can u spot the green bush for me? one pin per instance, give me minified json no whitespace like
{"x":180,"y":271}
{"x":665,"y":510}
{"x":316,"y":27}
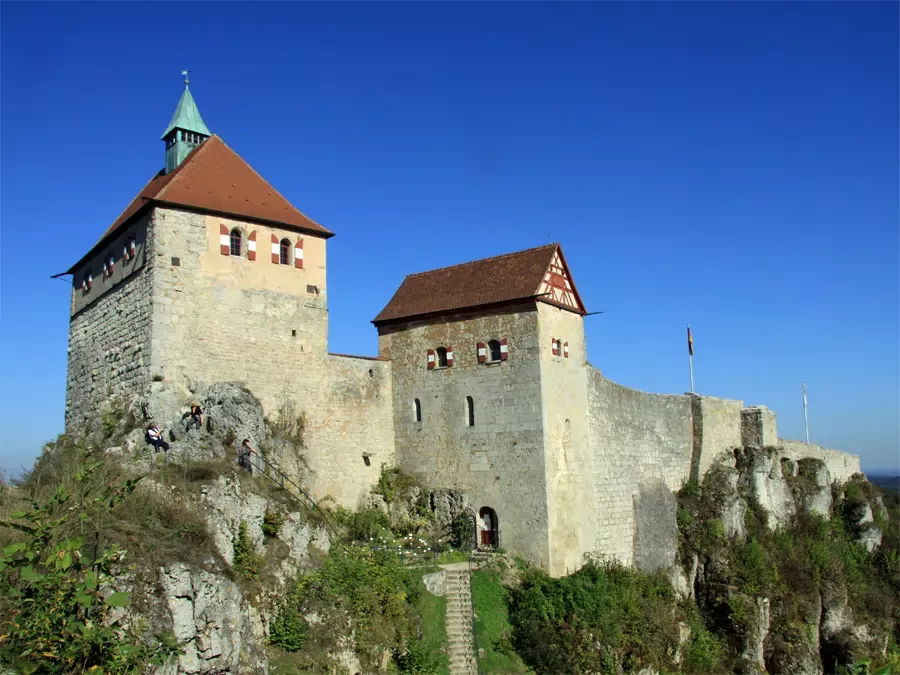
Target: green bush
{"x":368,"y":524}
{"x":603,"y":618}
{"x":392,"y":483}
{"x":289,"y":630}
{"x":272,"y":522}
{"x":54,"y":616}
{"x":704,"y":652}
{"x":246,"y":561}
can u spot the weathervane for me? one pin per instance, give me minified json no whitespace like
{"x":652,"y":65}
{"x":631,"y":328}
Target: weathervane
{"x":187,"y":80}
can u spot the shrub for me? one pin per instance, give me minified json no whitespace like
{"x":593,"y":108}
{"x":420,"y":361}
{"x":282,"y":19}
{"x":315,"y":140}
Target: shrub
{"x":367,"y":524}
{"x":604,"y":617}
{"x":392,"y":483}
{"x":246,"y":561}
{"x":289,"y":630}
{"x":54,"y":614}
{"x":272,"y":523}
{"x":704,"y":651}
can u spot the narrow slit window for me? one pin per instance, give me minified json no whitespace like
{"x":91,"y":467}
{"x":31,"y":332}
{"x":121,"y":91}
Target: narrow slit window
{"x":442,"y":357}
{"x":417,"y":410}
{"x":285,"y":252}
{"x":494,"y":346}
{"x":236,"y":242}
{"x":470,"y":411}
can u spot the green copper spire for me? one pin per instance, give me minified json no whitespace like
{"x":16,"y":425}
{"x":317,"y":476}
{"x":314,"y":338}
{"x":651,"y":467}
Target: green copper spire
{"x":185,"y":131}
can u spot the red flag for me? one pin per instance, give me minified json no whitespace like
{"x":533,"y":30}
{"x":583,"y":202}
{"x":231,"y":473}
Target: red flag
{"x":690,"y":342}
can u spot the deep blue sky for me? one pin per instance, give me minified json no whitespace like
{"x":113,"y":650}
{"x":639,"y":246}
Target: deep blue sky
{"x":731,"y":165}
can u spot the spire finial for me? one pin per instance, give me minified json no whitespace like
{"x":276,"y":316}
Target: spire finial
{"x":187,"y":79}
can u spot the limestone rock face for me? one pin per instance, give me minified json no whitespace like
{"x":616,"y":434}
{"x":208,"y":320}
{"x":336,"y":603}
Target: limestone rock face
{"x":801,"y":655}
{"x":818,"y":500}
{"x":754,"y":639}
{"x":218,"y":629}
{"x":230,"y":406}
{"x":226,"y":503}
{"x":447,"y":504}
{"x":734,"y":509}
{"x":762,"y":470}
{"x":870,"y":537}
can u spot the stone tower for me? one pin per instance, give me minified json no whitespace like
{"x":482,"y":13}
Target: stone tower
{"x":210,"y":274}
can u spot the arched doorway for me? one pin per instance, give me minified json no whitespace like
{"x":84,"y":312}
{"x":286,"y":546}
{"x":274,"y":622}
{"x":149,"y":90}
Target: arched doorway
{"x":488,"y":530}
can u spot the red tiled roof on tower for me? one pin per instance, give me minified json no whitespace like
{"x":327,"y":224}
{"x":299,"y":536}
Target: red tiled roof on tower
{"x":491,"y":281}
{"x":213,"y":178}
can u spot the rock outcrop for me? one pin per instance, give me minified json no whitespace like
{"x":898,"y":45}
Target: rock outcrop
{"x":217,"y":628}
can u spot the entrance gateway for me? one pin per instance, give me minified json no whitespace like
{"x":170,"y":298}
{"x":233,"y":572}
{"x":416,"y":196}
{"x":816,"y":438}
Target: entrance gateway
{"x":488,"y":532}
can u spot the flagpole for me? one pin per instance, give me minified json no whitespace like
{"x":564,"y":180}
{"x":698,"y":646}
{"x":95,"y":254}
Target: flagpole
{"x":805,"y":415}
{"x":691,"y":357}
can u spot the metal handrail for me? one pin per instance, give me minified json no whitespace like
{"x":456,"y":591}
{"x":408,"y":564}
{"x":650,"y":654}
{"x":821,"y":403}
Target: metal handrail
{"x":299,"y":489}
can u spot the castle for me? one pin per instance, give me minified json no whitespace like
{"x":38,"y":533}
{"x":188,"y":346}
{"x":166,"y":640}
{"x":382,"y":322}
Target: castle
{"x":481,"y":383}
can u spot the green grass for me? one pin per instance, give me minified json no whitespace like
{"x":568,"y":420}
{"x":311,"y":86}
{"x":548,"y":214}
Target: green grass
{"x":492,"y":628}
{"x":433,"y":610}
{"x":452,"y":557}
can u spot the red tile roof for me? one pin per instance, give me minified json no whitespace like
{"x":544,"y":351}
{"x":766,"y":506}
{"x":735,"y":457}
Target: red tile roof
{"x":214,"y":178}
{"x":501,"y":279}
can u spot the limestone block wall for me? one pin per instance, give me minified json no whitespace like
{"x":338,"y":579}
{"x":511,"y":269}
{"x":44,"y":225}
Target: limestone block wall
{"x":220,"y":317}
{"x":635,"y":439}
{"x":499,"y":461}
{"x":840,"y":465}
{"x":353,"y":424}
{"x":109,"y":332}
{"x":758,"y":427}
{"x":569,"y":463}
{"x":716,"y":428}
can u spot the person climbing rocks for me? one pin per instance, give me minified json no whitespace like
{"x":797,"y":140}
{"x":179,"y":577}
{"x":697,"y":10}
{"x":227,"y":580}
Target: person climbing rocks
{"x":196,"y":415}
{"x":155,"y":438}
{"x":245,"y":456}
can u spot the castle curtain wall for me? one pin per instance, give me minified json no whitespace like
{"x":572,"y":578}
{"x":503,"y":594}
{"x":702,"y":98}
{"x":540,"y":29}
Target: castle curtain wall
{"x":499,"y":461}
{"x":640,"y":444}
{"x":110,"y":326}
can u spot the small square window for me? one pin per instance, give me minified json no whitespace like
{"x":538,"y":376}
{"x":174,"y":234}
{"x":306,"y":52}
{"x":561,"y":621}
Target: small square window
{"x":176,"y":262}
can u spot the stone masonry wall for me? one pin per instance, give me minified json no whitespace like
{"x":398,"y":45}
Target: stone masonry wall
{"x":109,"y":333}
{"x":569,"y":463}
{"x":716,"y":429}
{"x":499,"y":461}
{"x":840,"y":465}
{"x":229,"y":318}
{"x":636,"y":439}
{"x":353,"y":418}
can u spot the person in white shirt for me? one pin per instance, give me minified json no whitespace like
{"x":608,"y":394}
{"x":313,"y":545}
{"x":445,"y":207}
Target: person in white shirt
{"x":155,"y":438}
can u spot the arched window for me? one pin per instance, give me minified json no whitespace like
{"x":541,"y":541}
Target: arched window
{"x":236,"y":242}
{"x":417,"y":409}
{"x":494,"y":346}
{"x":442,"y":357}
{"x":285,"y":252}
{"x":470,"y":411}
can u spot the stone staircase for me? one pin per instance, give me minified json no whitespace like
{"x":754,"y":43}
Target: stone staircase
{"x":459,"y":621}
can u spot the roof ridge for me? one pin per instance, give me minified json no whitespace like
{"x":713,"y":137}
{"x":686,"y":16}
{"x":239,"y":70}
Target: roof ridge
{"x":286,"y":201}
{"x":481,"y":260}
{"x":179,"y":170}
